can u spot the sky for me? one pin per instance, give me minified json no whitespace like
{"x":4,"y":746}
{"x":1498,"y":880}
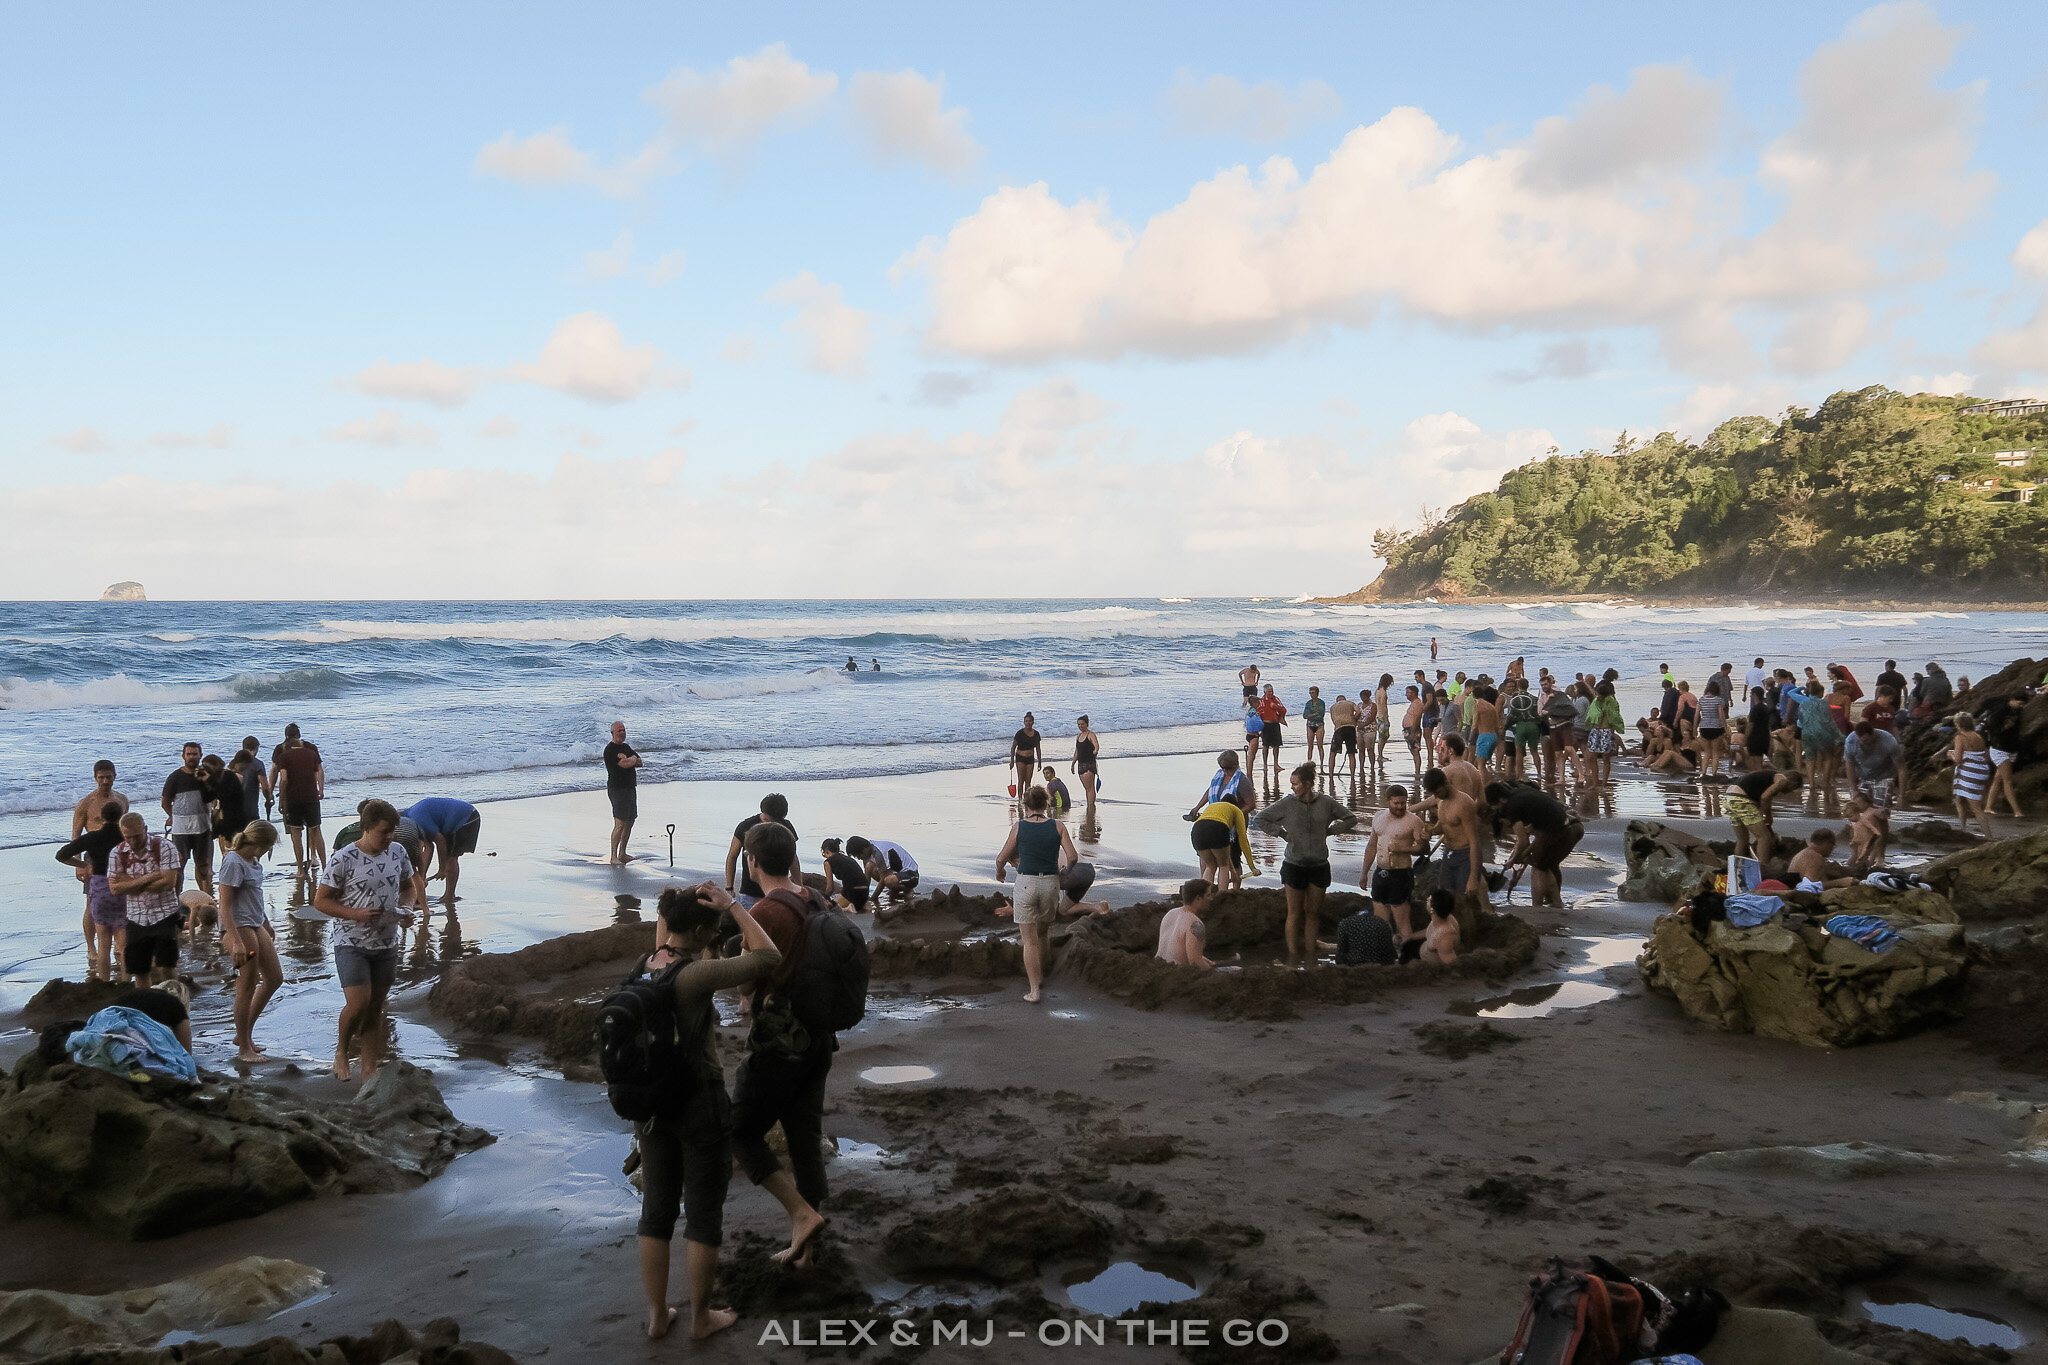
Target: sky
{"x":823,"y":301}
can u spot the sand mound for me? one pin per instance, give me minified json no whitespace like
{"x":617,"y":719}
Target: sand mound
{"x":39,"y":1322}
{"x":156,"y":1159}
{"x":439,"y":1343}
{"x":548,"y":990}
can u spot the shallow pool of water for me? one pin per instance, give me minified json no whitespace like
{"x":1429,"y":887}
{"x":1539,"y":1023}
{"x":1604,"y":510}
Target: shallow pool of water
{"x":1536,"y":1002}
{"x":1121,"y":1287}
{"x":1605,"y":950}
{"x":1959,"y":1313}
{"x":897,"y":1075}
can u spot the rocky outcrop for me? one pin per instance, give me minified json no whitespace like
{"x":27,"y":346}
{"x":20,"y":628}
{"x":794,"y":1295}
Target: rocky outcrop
{"x":548,"y":990}
{"x":127,"y":590}
{"x":59,"y":1000}
{"x":1787,"y":979}
{"x":1665,"y":865}
{"x":2006,"y":1010}
{"x":1927,"y":748}
{"x":2005,"y":879}
{"x":155,"y":1159}
{"x":438,"y":1343}
{"x":40,"y":1322}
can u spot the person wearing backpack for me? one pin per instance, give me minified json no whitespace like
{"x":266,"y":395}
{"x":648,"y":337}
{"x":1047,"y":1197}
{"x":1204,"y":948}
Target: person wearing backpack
{"x":798,"y":1011}
{"x":658,"y":1046}
{"x":1519,"y":716}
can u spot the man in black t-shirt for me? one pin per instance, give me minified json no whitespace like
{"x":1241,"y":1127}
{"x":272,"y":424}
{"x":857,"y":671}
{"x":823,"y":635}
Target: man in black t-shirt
{"x":775,"y":807}
{"x":622,"y":785}
{"x":1545,"y":831}
{"x":1892,"y":678}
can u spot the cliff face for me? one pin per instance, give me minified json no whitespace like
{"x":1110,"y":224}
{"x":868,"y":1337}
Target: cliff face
{"x":1874,"y":493}
{"x":125,"y":591}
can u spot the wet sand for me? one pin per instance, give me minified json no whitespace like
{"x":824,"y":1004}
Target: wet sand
{"x":1328,"y":1166}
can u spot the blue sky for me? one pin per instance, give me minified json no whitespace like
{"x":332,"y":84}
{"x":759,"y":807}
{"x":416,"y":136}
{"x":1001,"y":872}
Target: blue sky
{"x":961,"y":300}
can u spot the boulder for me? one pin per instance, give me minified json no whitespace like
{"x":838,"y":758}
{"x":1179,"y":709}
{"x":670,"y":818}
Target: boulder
{"x":127,"y":590}
{"x":154,"y":1159}
{"x":2005,"y":879}
{"x":1665,"y":864}
{"x":1787,"y":979}
{"x":1930,"y":906}
{"x":1927,"y":748}
{"x":38,"y":1322}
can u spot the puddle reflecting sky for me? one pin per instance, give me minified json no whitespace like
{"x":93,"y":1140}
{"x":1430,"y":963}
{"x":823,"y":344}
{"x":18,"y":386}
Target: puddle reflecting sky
{"x":1123,"y":1286}
{"x":896,"y":1075}
{"x":1535,"y":1002}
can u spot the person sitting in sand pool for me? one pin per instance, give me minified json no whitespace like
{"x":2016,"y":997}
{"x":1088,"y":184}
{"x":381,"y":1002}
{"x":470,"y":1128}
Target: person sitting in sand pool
{"x":1365,"y":940}
{"x":846,"y":881}
{"x":686,"y":1156}
{"x":1749,"y":811}
{"x":1075,"y":880}
{"x":165,"y":1004}
{"x":1813,"y":865}
{"x":1182,"y":935}
{"x":1036,"y":846}
{"x":1440,"y":940}
{"x":245,"y":932}
{"x":361,"y":889}
{"x":1062,"y":798}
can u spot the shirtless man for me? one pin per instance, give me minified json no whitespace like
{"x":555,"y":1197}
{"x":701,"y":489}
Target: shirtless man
{"x":1249,"y":677}
{"x":1411,"y":726}
{"x":1813,"y":863}
{"x":1383,"y":725}
{"x":1485,"y":727}
{"x":1440,"y":941}
{"x":1389,"y":875}
{"x":1344,"y":735}
{"x":1464,"y":774}
{"x":1462,"y":871}
{"x":85,"y":818}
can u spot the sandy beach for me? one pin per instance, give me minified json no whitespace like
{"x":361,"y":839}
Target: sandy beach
{"x":1335,"y":1170}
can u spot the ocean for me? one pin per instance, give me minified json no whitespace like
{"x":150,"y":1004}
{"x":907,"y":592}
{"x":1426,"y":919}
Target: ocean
{"x":496,"y":700}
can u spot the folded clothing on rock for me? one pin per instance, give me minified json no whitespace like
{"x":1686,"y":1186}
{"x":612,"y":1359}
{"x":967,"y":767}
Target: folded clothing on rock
{"x":1747,"y":912}
{"x":1867,"y":931}
{"x":126,"y":1042}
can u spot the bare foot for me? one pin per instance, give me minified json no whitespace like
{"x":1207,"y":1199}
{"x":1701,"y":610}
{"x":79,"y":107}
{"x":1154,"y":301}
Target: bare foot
{"x":341,"y":1070}
{"x":250,"y":1053}
{"x":1031,"y":997}
{"x":801,"y":1231}
{"x":657,"y":1330}
{"x":713,"y":1321}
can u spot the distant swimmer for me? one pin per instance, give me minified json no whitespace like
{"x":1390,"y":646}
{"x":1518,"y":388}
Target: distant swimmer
{"x":1249,"y":677}
{"x":1024,"y":752}
{"x":876,"y":665}
{"x":1432,"y":649}
{"x":451,"y":828}
{"x":622,"y":787}
{"x":851,"y":666}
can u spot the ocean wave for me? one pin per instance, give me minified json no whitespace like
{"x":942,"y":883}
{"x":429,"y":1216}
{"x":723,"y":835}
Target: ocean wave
{"x":172,"y":637}
{"x":768,"y":685}
{"x":120,"y":690}
{"x":954,"y":625}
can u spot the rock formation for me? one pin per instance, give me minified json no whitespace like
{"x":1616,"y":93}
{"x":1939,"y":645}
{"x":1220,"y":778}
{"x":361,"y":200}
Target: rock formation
{"x":156,"y":1159}
{"x":439,"y":1343}
{"x":1665,"y":864}
{"x":1927,"y":749}
{"x":2004,"y":879}
{"x":40,"y":1322}
{"x":127,"y":590}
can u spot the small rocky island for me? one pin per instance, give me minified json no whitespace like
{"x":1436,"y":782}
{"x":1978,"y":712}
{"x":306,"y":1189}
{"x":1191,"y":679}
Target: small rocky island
{"x":127,"y":590}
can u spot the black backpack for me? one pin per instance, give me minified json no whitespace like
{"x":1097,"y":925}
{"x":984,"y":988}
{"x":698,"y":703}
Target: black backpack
{"x":650,"y":1069}
{"x":829,"y":993}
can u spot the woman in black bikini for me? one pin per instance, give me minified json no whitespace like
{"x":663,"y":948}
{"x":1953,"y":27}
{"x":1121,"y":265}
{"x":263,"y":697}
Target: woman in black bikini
{"x":1087,"y":746}
{"x":1024,"y":749}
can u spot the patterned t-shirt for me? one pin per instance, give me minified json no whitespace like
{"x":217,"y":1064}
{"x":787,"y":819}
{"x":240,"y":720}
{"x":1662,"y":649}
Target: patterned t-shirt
{"x":158,"y":855}
{"x":365,"y":881}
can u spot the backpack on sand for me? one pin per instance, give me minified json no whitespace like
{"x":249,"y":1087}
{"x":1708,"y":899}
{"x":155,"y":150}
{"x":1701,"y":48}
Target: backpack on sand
{"x":1578,"y":1318}
{"x":650,"y":1069}
{"x":829,"y":992}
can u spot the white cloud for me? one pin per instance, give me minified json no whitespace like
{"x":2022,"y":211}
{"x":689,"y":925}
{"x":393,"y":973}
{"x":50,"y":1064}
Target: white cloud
{"x":1224,"y":106}
{"x":724,"y":113}
{"x":1955,"y":382}
{"x":499,"y":428}
{"x":417,"y":381}
{"x":902,"y":116}
{"x":610,"y":262}
{"x":736,"y":349}
{"x":1598,"y":220}
{"x":1822,"y":337}
{"x":2030,"y":257}
{"x":1667,"y":119}
{"x":1571,"y":358}
{"x":2023,"y":350}
{"x":388,"y":429}
{"x":548,"y":158}
{"x":835,"y":334}
{"x":83,"y":441}
{"x":667,"y":268}
{"x":587,"y":357}
{"x":1709,"y":405}
{"x":219,"y":436}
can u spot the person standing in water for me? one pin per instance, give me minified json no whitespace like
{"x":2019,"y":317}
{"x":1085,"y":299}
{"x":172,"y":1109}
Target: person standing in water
{"x":87,"y":816}
{"x":1025,"y":747}
{"x":1087,"y":750}
{"x":245,"y":932}
{"x":1432,"y":649}
{"x":1312,"y":712}
{"x":361,"y":889}
{"x":1248,"y":676}
{"x":301,"y":783}
{"x":622,"y":788}
{"x":106,"y":919}
{"x":1305,"y":818}
{"x":1035,"y":846}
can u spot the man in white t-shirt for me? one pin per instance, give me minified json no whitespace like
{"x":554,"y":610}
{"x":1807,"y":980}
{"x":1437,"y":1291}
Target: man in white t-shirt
{"x":1755,"y":680}
{"x":361,"y":889}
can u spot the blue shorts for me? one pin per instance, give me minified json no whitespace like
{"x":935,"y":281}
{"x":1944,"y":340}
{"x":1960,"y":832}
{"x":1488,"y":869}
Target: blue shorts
{"x":1485,"y":744}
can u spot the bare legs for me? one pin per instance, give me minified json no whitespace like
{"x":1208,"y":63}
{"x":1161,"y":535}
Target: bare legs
{"x":804,"y":1221}
{"x":700,"y":1266}
{"x":261,"y":976}
{"x":622,"y":834}
{"x":1033,"y":937}
{"x":362,"y":1021}
{"x":1304,"y":913}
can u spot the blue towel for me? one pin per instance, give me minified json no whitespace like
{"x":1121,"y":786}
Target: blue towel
{"x":130,"y":1044}
{"x":1867,"y":931}
{"x":1747,"y":912}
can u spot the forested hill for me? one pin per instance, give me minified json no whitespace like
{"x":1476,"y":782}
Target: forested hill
{"x":1876,"y":493}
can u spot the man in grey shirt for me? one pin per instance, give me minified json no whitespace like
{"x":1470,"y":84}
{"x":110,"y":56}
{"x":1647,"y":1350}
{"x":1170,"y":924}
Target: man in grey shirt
{"x":1877,"y":764}
{"x":1305,"y":819}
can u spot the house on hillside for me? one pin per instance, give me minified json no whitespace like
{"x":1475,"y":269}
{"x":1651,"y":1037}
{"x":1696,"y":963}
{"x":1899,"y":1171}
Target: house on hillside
{"x":2004,"y":407}
{"x":2012,"y":459}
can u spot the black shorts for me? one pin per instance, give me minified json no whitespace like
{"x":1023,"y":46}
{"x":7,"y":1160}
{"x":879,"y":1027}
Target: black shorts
{"x":1393,"y":885}
{"x":856,"y":896}
{"x":625,"y":802}
{"x":685,"y":1166}
{"x":1345,"y":740}
{"x":152,"y":945}
{"x":1712,"y":732}
{"x":1758,"y":740}
{"x":302,"y":814}
{"x":1251,"y":690}
{"x":1209,"y":835}
{"x":1301,"y":876}
{"x":1548,"y":848}
{"x":1269,"y":735}
{"x":197,"y":847}
{"x":464,"y":840}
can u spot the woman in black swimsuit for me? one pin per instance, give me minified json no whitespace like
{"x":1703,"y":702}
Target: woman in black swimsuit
{"x":1087,"y":744}
{"x":1024,"y":749}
